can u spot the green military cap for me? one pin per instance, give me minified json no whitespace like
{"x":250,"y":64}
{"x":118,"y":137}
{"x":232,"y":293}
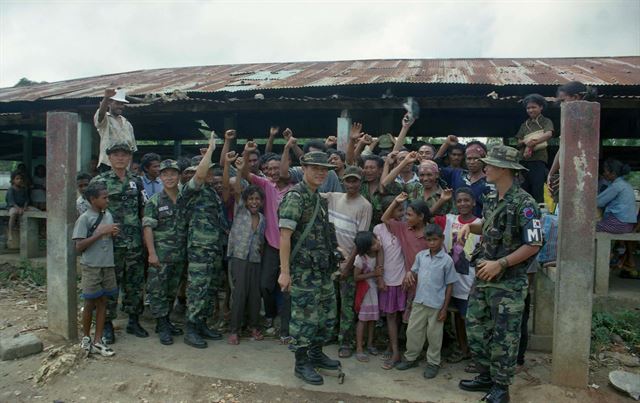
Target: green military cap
{"x":318,"y":158}
{"x":352,"y":171}
{"x":191,"y":168}
{"x":119,"y":147}
{"x":504,"y":157}
{"x":169,"y":164}
{"x":385,"y":141}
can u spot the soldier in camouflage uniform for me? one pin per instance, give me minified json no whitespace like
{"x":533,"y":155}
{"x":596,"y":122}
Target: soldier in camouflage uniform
{"x":126,"y":201}
{"x":511,"y":237}
{"x":308,"y":274}
{"x":164,"y":235}
{"x":205,"y":240}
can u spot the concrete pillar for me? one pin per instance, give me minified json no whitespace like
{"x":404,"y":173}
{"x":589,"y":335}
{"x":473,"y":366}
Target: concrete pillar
{"x":62,"y":150}
{"x":343,"y":130}
{"x":580,"y":123}
{"x":85,"y":145}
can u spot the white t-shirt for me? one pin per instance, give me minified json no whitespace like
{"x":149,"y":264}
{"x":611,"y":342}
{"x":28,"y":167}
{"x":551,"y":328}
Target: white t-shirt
{"x":394,"y":270}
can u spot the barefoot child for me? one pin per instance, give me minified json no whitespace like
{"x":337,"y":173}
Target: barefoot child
{"x":365,"y":269}
{"x":246,"y":241}
{"x":392,"y":298}
{"x":93,"y":234}
{"x":434,"y":274}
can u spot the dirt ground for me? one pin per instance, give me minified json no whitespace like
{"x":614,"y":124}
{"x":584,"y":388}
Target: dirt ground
{"x":63,"y":373}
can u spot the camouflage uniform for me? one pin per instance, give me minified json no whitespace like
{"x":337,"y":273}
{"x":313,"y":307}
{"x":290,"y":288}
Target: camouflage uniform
{"x":416,"y":192}
{"x":313,"y":300}
{"x":495,"y":307}
{"x":166,"y":219}
{"x":205,"y":240}
{"x":126,"y":201}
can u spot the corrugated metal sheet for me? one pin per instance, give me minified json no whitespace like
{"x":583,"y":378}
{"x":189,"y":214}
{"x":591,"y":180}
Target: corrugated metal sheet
{"x":273,"y":76}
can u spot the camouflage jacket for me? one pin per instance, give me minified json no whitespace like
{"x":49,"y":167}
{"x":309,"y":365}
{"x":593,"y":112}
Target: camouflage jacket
{"x":295,"y":211}
{"x":167,"y":221}
{"x":126,"y":201}
{"x":416,"y":192}
{"x":375,"y":199}
{"x":204,"y":216}
{"x":508,"y":224}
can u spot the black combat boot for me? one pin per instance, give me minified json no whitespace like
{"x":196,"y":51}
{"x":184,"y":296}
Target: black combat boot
{"x":497,"y":394}
{"x":192,"y":337}
{"x":175,"y":331}
{"x":481,"y":383}
{"x":321,"y":360}
{"x":206,"y":333}
{"x":108,"y":334}
{"x":304,"y":369}
{"x":133,"y":327}
{"x":164,"y":331}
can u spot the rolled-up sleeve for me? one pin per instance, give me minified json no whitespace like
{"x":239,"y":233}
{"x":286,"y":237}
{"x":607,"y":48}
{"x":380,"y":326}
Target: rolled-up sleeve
{"x":290,"y":211}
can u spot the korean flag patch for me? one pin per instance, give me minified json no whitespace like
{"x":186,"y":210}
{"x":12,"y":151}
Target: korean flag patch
{"x":536,"y":224}
{"x":132,"y":185}
{"x":528,"y":213}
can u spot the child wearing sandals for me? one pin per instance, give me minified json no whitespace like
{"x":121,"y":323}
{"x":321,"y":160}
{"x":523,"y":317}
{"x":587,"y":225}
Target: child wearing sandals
{"x":392,"y":298}
{"x":366,"y":274}
{"x":93,"y":235}
{"x":246,"y":240}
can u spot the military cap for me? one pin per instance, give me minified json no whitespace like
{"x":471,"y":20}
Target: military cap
{"x":318,"y":158}
{"x":191,"y":168}
{"x":385,"y":141}
{"x":169,"y":164}
{"x":504,"y":157}
{"x":352,"y":171}
{"x":119,"y":147}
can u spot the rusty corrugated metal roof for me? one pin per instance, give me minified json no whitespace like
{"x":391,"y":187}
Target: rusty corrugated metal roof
{"x":272,"y":76}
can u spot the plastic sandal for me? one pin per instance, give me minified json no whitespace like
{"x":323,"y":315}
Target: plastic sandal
{"x":389,"y":364}
{"x":233,"y":339}
{"x":362,"y":357}
{"x":344,"y":352}
{"x":257,"y":335}
{"x":372,"y":350}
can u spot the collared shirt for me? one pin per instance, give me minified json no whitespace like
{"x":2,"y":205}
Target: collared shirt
{"x":245,"y":242}
{"x":416,"y":192}
{"x":113,"y":130}
{"x":619,"y":200}
{"x":414,"y":179}
{"x":457,"y":178}
{"x":331,"y":184}
{"x":435,"y":273}
{"x":100,"y":253}
{"x":152,"y":186}
{"x":541,"y":123}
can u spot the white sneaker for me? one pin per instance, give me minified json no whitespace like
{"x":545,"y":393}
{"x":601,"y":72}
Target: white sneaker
{"x":85,"y":343}
{"x":103,"y":349}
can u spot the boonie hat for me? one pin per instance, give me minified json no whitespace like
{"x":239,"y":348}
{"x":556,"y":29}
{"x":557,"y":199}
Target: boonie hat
{"x":119,"y":147}
{"x":385,"y":141}
{"x":352,"y":171}
{"x":120,"y":96}
{"x":169,"y":164}
{"x":504,"y":157}
{"x":318,"y":158}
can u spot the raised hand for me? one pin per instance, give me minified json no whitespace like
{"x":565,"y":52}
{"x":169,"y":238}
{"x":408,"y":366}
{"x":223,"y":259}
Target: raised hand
{"x":401,"y":198}
{"x":230,"y":157}
{"x":407,"y":121}
{"x":273,"y":131}
{"x":240,"y":163}
{"x":411,"y":158}
{"x":331,"y":141}
{"x":230,"y":135}
{"x":447,"y":195}
{"x":250,"y":146}
{"x":452,"y":140}
{"x":287,"y":133}
{"x":392,"y":157}
{"x":109,"y":92}
{"x":291,"y":141}
{"x":356,"y":131}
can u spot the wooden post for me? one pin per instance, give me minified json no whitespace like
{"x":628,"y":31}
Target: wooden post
{"x":62,"y":151}
{"x":580,"y":122}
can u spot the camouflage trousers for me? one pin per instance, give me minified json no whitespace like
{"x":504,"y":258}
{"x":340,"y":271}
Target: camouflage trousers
{"x":204,"y":279}
{"x":162,"y":287}
{"x":313,"y":311}
{"x":346,"y":334}
{"x":493,"y":328}
{"x":129,"y":267}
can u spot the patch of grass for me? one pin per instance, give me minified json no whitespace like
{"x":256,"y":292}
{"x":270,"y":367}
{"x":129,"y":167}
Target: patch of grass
{"x":625,"y":324}
{"x":23,"y":271}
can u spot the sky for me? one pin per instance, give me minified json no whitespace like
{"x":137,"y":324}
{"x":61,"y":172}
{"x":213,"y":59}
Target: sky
{"x":60,"y":40}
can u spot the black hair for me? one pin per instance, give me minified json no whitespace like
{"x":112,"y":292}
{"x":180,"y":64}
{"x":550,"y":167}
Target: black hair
{"x":148,"y":159}
{"x":420,"y":207}
{"x":576,"y":88}
{"x":386,"y":202}
{"x":93,"y":190}
{"x":318,"y":144}
{"x":616,"y":167}
{"x":536,"y":99}
{"x":364,"y":242}
{"x":456,"y":146}
{"x":339,"y":153}
{"x":82,"y":176}
{"x":184,"y":163}
{"x":433,"y":230}
{"x":465,"y":190}
{"x":384,"y":153}
{"x":217,"y":171}
{"x":372,"y":157}
{"x":195,"y":160}
{"x":256,"y":152}
{"x":16,"y":173}
{"x":249,"y":190}
{"x":477,"y":142}
{"x":433,"y":148}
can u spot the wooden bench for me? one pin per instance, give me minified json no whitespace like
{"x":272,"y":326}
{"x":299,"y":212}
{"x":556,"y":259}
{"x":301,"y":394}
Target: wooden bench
{"x":29,"y":234}
{"x":603,"y":252}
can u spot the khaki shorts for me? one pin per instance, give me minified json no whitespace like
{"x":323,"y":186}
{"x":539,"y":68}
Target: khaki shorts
{"x":98,"y":281}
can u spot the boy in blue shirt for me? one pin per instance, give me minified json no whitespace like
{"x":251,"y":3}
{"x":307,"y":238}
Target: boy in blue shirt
{"x":434,"y":272}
